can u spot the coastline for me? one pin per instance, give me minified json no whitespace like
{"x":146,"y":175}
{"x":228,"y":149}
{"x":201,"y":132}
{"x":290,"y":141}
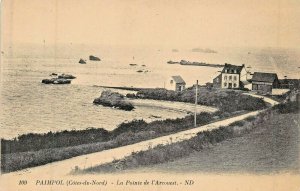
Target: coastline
{"x":126,"y":134}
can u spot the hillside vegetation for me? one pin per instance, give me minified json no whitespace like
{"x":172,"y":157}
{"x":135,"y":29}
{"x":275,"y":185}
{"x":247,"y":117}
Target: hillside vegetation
{"x":225,"y":100}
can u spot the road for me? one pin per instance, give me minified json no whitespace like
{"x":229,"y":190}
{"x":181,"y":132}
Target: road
{"x":63,"y":168}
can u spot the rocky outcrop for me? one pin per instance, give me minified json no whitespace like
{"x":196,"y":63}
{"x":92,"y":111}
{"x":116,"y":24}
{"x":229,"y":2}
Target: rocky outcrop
{"x":94,"y":58}
{"x":66,"y":76}
{"x":56,"y":81}
{"x":60,"y":79}
{"x":81,"y":61}
{"x":172,"y":62}
{"x":113,"y":99}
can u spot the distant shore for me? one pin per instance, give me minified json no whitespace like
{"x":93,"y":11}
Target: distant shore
{"x":188,"y":63}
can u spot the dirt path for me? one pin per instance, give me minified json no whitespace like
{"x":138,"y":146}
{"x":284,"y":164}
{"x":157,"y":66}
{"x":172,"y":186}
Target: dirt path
{"x":63,"y":168}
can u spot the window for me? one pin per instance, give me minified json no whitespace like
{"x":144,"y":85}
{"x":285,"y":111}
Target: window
{"x":225,"y":77}
{"x":225,"y":84}
{"x":254,"y":87}
{"x":235,"y":71}
{"x":234,"y":77}
{"x":230,"y":77}
{"x":171,"y":81}
{"x":234,"y":85}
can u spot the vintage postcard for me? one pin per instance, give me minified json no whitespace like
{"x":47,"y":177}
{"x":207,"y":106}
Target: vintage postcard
{"x":150,"y":95}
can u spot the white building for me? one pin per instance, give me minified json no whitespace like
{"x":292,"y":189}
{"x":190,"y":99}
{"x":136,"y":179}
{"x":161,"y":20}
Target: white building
{"x":175,"y":83}
{"x":232,"y":77}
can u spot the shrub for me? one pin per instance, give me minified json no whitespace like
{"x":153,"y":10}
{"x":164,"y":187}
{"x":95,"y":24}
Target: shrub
{"x":130,"y":95}
{"x":251,"y":118}
{"x":133,"y":126}
{"x":237,"y":123}
{"x":34,"y":142}
{"x":289,"y":107}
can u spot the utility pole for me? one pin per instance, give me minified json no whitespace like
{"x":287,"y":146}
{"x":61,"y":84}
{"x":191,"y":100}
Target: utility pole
{"x":196,"y":103}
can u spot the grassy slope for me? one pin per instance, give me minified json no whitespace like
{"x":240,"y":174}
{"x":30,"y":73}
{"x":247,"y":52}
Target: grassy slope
{"x":272,"y":147}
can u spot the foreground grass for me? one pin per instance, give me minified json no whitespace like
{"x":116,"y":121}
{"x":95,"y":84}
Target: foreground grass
{"x":267,"y":143}
{"x":272,"y":147}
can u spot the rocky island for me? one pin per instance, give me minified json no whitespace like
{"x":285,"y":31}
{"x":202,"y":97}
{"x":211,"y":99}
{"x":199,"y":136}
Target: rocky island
{"x":56,"y":81}
{"x":206,"y":50}
{"x":66,"y":76}
{"x":60,"y":79}
{"x":113,"y":99}
{"x":94,"y":58}
{"x":81,"y":61}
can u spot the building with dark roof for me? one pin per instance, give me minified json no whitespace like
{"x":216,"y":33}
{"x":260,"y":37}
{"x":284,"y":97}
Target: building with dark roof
{"x":263,"y":83}
{"x":232,"y":77}
{"x":232,"y":69}
{"x":175,"y":83}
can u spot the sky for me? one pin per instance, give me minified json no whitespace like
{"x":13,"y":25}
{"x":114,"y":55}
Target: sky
{"x":170,"y":23}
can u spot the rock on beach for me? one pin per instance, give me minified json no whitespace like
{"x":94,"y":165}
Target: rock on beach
{"x":114,"y":100}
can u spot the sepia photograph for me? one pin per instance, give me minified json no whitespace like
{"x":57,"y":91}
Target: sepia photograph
{"x":150,"y":95}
